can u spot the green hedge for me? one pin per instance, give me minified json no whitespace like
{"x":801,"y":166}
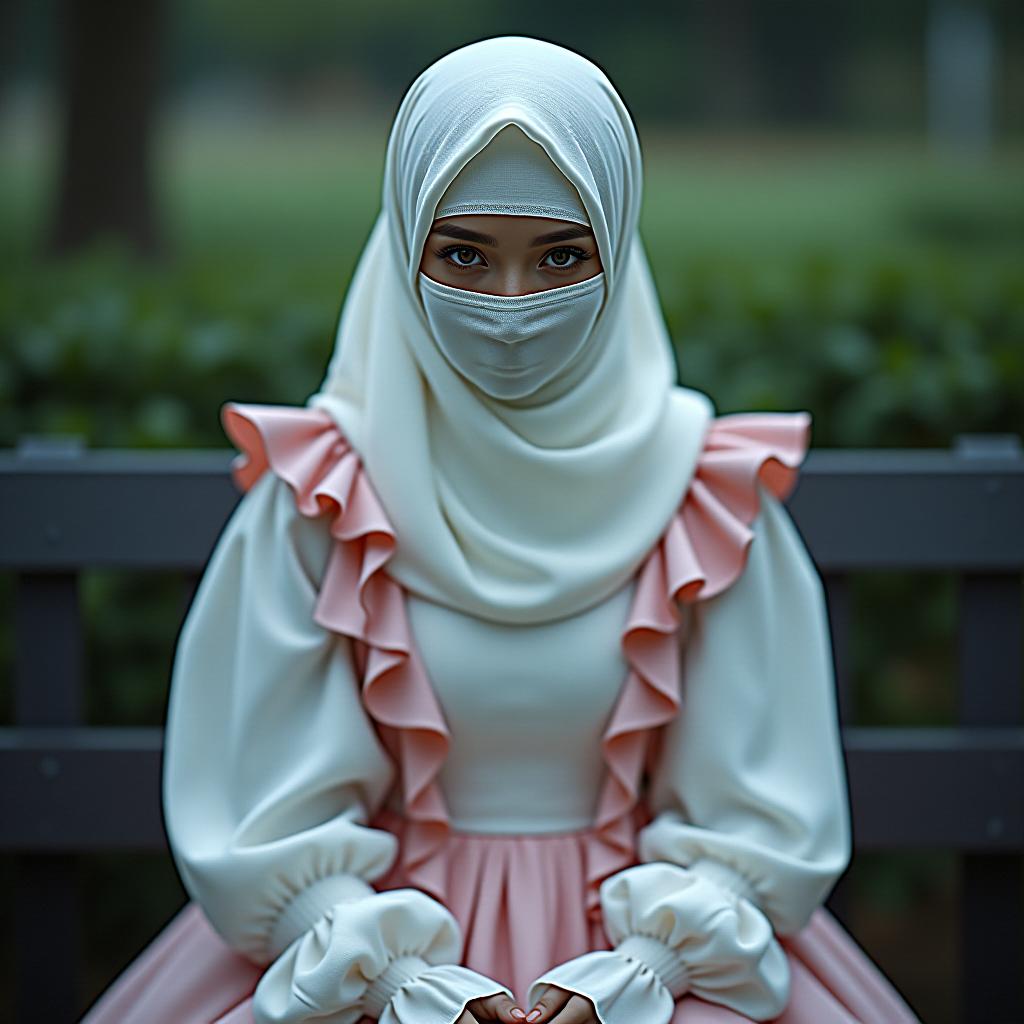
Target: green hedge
{"x":883,"y":353}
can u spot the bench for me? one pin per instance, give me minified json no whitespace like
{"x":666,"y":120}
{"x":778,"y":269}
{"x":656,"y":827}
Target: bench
{"x":67,"y":790}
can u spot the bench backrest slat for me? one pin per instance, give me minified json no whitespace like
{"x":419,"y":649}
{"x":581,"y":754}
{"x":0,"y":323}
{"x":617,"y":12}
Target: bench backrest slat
{"x":855,"y":509}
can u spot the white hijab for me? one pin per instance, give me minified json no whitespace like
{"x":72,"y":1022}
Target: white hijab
{"x":530,"y":510}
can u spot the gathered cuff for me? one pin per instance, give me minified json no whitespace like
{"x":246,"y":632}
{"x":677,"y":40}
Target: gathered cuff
{"x":623,"y":990}
{"x":311,"y":904}
{"x":385,"y":942}
{"x":695,"y":937}
{"x":660,"y":958}
{"x":381,"y":990}
{"x":439,"y":993}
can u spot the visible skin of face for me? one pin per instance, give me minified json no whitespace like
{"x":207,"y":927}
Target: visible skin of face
{"x":503,"y":255}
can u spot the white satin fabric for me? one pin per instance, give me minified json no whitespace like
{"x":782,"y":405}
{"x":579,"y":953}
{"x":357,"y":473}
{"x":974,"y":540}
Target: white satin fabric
{"x":512,"y":176}
{"x":272,"y":768}
{"x":390,"y":957}
{"x":522,"y":509}
{"x":544,"y":758}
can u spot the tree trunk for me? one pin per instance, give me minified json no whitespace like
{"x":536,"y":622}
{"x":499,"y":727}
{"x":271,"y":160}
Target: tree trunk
{"x":961,"y":53}
{"x":111,"y":78}
{"x":729,"y":68}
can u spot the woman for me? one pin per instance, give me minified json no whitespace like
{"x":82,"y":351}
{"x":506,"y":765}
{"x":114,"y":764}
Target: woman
{"x":507,"y":692}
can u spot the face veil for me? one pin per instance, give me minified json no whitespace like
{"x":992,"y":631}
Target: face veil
{"x":529,"y":509}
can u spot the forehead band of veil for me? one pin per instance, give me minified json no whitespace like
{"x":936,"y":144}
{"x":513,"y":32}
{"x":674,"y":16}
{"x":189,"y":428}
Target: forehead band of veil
{"x":512,"y":176}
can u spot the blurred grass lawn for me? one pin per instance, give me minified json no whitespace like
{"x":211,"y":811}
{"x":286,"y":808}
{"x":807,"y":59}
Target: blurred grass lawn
{"x":878,"y":287}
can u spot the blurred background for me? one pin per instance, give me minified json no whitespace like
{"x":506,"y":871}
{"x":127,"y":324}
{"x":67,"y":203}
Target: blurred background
{"x":834,"y":212}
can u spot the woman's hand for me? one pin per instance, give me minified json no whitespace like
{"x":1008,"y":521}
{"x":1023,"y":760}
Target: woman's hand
{"x":492,"y":1008}
{"x":554,"y":1004}
{"x":562,"y":1007}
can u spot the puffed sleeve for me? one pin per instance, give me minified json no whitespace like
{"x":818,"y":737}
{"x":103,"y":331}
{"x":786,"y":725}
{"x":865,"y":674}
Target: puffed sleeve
{"x":748,"y":792}
{"x":271,"y":770}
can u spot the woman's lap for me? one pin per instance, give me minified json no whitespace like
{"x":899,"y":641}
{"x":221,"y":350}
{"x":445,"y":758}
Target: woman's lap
{"x":189,"y":976}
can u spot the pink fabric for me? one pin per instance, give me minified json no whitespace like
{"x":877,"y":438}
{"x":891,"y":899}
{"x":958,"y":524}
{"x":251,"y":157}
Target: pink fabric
{"x":519,"y":902}
{"x":187,"y":974}
{"x":517,"y":899}
{"x":525,"y":903}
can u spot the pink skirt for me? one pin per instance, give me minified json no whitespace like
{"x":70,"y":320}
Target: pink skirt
{"x":520,"y":901}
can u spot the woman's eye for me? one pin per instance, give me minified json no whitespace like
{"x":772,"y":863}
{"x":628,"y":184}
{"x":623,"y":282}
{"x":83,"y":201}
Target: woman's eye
{"x":463,"y":256}
{"x":562,"y":259}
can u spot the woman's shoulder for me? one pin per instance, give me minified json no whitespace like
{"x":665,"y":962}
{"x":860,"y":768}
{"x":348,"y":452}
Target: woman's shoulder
{"x":293,"y":442}
{"x":744,"y":456}
{"x":306,"y":449}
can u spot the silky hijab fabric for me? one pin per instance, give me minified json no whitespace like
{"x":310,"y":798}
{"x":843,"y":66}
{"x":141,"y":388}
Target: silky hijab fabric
{"x":512,"y":175}
{"x":531,"y":509}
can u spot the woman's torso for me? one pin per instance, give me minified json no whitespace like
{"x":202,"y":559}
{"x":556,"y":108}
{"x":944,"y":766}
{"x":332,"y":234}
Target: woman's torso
{"x":526,"y":706}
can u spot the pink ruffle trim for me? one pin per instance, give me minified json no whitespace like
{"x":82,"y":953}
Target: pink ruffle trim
{"x":358,"y":599}
{"x":702,"y":552}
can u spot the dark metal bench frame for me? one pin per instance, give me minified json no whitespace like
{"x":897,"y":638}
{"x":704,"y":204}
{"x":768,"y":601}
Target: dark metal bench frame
{"x":66,"y":789}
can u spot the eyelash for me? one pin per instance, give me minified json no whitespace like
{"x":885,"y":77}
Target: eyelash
{"x":581,"y":256}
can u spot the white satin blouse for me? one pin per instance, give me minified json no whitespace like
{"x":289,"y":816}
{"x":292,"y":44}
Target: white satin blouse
{"x":267,"y":801}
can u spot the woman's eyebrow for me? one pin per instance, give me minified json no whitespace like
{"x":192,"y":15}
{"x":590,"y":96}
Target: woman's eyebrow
{"x":454,"y":231}
{"x":580,"y":231}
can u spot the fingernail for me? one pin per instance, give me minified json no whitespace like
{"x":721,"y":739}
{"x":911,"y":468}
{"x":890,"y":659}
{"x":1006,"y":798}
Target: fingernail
{"x":517,"y":1013}
{"x":532,"y":1015}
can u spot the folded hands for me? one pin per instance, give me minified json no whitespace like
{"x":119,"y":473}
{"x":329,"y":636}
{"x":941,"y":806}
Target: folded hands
{"x":554,"y":1004}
